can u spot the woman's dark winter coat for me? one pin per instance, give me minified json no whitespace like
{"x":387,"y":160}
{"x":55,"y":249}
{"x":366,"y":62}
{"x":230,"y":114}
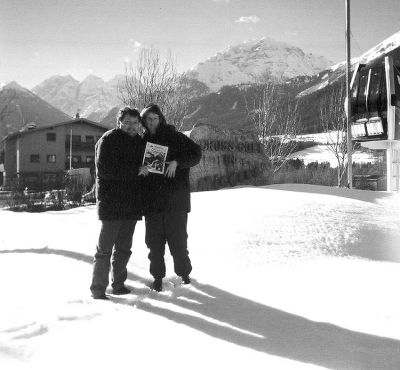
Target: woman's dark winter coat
{"x":170,"y":194}
{"x":118,"y":158}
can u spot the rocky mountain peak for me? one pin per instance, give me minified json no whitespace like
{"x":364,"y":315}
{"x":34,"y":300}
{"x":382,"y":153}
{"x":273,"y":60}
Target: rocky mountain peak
{"x":247,"y":61}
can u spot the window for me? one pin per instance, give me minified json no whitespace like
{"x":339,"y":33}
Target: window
{"x":51,"y":158}
{"x":89,"y":139}
{"x":396,"y":87}
{"x":35,"y":158}
{"x":51,"y":136}
{"x":89,"y":158}
{"x":76,"y":159}
{"x":376,"y":83}
{"x":49,"y":178}
{"x":360,"y":106}
{"x":76,"y":138}
{"x":30,"y":179}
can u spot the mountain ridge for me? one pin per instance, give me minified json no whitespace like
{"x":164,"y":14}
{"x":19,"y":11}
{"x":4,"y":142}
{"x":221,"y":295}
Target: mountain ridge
{"x":21,"y":106}
{"x":240,"y":63}
{"x":257,"y":59}
{"x":93,"y":97}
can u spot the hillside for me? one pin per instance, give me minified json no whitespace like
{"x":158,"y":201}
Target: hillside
{"x":336,"y":73}
{"x":24,"y":107}
{"x":110,"y":120}
{"x":229,"y":106}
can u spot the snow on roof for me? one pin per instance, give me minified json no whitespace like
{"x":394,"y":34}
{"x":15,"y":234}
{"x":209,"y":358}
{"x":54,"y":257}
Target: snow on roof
{"x":46,"y":127}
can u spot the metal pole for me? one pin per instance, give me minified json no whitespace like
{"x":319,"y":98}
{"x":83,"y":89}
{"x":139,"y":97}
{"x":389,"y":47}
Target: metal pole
{"x":348,"y":71}
{"x":391,"y":113}
{"x":70,"y":150}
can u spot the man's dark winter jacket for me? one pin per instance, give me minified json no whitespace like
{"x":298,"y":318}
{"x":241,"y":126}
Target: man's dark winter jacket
{"x":118,"y":158}
{"x":161,"y":193}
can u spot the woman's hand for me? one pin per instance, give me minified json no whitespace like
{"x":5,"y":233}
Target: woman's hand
{"x":143,"y":171}
{"x":171,"y":168}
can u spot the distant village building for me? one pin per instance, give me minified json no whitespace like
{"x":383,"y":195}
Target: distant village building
{"x":37,"y":157}
{"x":230,"y":158}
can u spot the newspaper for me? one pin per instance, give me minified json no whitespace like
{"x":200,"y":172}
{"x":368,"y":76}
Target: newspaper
{"x":154,"y":157}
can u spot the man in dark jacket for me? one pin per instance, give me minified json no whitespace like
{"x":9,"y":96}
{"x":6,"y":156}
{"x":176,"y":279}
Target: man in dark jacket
{"x":118,"y":160}
{"x":166,"y":197}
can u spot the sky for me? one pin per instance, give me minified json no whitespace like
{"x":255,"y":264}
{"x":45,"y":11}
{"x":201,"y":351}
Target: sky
{"x":42,"y":38}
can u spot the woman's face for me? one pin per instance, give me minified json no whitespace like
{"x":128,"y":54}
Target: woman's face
{"x":152,"y":122}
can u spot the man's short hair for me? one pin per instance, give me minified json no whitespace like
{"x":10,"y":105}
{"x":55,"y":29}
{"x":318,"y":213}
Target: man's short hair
{"x":127,"y":111}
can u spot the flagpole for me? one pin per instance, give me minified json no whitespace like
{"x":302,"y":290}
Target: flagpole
{"x":348,"y":71}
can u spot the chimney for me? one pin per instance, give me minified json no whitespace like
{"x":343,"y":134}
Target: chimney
{"x":77,"y":116}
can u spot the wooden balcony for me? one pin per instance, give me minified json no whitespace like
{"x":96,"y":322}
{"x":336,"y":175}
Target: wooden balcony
{"x":82,"y":146}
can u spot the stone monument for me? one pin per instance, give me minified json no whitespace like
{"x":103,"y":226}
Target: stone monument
{"x":229,"y":158}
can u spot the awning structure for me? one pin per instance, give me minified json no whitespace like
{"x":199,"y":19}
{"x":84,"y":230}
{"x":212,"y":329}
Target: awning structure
{"x":382,"y":144}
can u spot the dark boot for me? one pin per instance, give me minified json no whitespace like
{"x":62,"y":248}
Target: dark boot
{"x":157,"y":285}
{"x":121,"y":291}
{"x":101,"y":296}
{"x":186,"y":279}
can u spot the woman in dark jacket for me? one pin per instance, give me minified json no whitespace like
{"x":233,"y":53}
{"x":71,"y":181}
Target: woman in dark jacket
{"x":166,"y":197}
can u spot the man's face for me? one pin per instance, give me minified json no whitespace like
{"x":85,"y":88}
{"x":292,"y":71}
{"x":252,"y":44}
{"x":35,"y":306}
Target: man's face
{"x":130,"y":125}
{"x":152,"y":122}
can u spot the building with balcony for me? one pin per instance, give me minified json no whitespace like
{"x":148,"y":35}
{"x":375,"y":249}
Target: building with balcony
{"x":37,"y":157}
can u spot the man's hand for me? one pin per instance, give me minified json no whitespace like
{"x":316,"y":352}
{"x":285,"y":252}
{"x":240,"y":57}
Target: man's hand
{"x":171,"y":168}
{"x":143,"y":171}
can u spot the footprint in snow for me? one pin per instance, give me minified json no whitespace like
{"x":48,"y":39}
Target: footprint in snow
{"x":31,"y":331}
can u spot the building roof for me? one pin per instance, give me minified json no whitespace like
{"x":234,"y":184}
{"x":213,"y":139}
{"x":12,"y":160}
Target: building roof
{"x":46,"y":127}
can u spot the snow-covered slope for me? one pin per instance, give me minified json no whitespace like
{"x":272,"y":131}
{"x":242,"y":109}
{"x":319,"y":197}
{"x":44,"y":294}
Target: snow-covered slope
{"x":93,"y":96}
{"x":322,"y":153}
{"x":247,"y":61}
{"x":24,"y":107}
{"x":337,"y":71}
{"x":61,"y":92}
{"x":285,"y":277}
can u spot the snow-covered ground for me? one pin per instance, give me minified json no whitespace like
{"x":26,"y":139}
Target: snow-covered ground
{"x":318,"y":137}
{"x":285,"y":277}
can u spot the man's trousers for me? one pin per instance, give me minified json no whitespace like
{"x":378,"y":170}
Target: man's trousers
{"x":115,"y":240}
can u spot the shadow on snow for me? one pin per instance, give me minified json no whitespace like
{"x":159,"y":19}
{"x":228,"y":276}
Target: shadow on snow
{"x":356,"y":194}
{"x":262,"y":328}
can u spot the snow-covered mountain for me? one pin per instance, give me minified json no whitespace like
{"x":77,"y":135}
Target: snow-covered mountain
{"x":247,"y":61}
{"x":21,"y":106}
{"x":243,"y":63}
{"x":93,"y":97}
{"x":337,"y":72}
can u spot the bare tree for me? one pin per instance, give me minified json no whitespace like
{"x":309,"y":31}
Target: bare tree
{"x":275,"y":118}
{"x":333,"y":121}
{"x":154,"y":79}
